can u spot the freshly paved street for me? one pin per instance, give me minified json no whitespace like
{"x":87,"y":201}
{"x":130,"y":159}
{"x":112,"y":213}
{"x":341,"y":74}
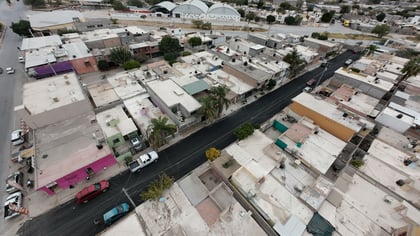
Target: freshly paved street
{"x":177,"y":160}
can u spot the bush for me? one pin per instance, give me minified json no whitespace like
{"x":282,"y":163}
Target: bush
{"x":128,"y":159}
{"x":157,"y":187}
{"x":244,"y":131}
{"x":355,"y":70}
{"x":103,"y":65}
{"x":186,"y":53}
{"x":131,"y":64}
{"x":212,"y":153}
{"x":357,"y":163}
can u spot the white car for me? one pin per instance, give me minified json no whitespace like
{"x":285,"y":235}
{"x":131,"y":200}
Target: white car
{"x":17,"y":137}
{"x":348,"y":62}
{"x":10,"y":70}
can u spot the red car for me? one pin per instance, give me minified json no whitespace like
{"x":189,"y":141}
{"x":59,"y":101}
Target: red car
{"x":91,"y":191}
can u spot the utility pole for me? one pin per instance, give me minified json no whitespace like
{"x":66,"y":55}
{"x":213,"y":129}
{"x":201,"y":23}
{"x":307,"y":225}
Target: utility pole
{"x":322,"y":75}
{"x":129,"y":198}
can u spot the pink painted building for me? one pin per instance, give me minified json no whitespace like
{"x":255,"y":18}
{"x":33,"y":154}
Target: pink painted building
{"x":75,"y":168}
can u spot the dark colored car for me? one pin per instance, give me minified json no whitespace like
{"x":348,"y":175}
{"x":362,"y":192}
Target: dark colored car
{"x":1,"y":71}
{"x":91,"y":191}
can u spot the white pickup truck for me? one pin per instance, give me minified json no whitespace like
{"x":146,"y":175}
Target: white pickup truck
{"x":143,"y":161}
{"x":12,"y":203}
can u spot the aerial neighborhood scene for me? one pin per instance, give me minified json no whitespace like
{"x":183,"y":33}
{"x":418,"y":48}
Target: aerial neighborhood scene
{"x":199,"y":117}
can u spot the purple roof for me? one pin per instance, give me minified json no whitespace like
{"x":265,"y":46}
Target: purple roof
{"x":53,"y":69}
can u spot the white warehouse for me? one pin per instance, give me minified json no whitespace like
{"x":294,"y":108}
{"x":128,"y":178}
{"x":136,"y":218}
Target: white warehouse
{"x":196,"y":9}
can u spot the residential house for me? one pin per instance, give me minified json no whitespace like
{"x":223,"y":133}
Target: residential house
{"x":323,"y":47}
{"x":51,"y":100}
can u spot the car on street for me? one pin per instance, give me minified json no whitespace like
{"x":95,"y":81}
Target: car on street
{"x":143,"y":161}
{"x":116,"y":213}
{"x":13,"y":180}
{"x":348,"y":62}
{"x":10,"y":70}
{"x":1,"y":71}
{"x":17,"y":137}
{"x":92,"y":191}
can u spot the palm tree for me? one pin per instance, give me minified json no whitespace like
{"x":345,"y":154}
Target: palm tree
{"x":295,"y":61}
{"x":158,"y":131}
{"x":411,"y":68}
{"x":219,"y":95}
{"x":371,"y":49}
{"x":120,"y":55}
{"x":208,"y":108}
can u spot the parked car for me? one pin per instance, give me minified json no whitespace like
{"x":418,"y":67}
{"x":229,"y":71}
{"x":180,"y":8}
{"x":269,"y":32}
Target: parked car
{"x":1,"y":71}
{"x":17,"y":137}
{"x":116,"y":213}
{"x":91,"y":191}
{"x":13,"y":180}
{"x":143,"y":161}
{"x":137,"y":145}
{"x":10,"y":70}
{"x":21,"y":59}
{"x":348,"y":62}
{"x":13,"y":202}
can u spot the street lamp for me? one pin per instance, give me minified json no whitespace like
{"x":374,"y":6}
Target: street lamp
{"x":322,"y":74}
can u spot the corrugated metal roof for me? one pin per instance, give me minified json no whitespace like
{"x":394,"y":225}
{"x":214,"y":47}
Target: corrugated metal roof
{"x":196,"y":87}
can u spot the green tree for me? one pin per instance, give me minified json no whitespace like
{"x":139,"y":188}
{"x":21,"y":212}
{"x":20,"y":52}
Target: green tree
{"x":241,"y":12}
{"x":208,"y":109}
{"x":119,"y":6}
{"x":344,"y":9}
{"x":34,"y":3}
{"x":131,"y":64}
{"x":22,"y":28}
{"x":371,"y":49}
{"x":270,"y":85}
{"x":295,"y":61}
{"x":411,"y":68}
{"x":286,"y":6}
{"x":206,"y":26}
{"x":250,"y":16}
{"x":197,"y":23}
{"x":380,"y":17}
{"x":270,"y":19}
{"x":103,"y":65}
{"x":381,"y":30}
{"x":407,"y":53}
{"x":159,"y":130}
{"x":219,"y":94}
{"x":157,"y":187}
{"x":120,"y":55}
{"x":327,"y":16}
{"x":195,"y":41}
{"x":170,"y":48}
{"x":244,"y":131}
{"x":260,"y":4}
{"x":290,"y":20}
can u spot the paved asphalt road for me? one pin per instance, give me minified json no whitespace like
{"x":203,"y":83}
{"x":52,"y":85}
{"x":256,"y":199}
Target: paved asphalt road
{"x":9,"y":96}
{"x":177,"y":161}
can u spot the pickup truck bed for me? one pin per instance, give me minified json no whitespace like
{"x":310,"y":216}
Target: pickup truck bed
{"x":143,"y":161}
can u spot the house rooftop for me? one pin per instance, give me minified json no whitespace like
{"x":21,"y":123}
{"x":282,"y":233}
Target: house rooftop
{"x":413,"y":81}
{"x":40,"y":42}
{"x":66,"y":146}
{"x":125,"y":85}
{"x":77,"y":50}
{"x":321,"y":42}
{"x":172,"y":94}
{"x":54,"y":18}
{"x":40,"y":56}
{"x":99,"y":34}
{"x":142,"y":110}
{"x":378,"y":214}
{"x":102,"y":93}
{"x":313,"y":145}
{"x":355,"y":101}
{"x":52,"y":93}
{"x":115,"y":121}
{"x":235,"y":85}
{"x":331,"y":111}
{"x":257,"y":73}
{"x":367,"y":79}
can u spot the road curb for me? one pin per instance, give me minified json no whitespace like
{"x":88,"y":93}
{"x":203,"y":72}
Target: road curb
{"x":3,"y":33}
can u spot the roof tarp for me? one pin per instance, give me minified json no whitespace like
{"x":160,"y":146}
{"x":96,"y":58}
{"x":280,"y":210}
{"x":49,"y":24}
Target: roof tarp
{"x":281,"y":144}
{"x":319,"y":226}
{"x":53,"y":69}
{"x":279,"y":126}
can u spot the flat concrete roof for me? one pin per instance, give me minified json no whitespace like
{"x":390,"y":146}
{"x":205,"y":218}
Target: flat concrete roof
{"x":125,"y":85}
{"x":142,"y":111}
{"x":360,"y":102}
{"x":393,"y":158}
{"x":413,"y":81}
{"x":329,"y":110}
{"x":68,"y":145}
{"x":98,"y":34}
{"x":321,"y":42}
{"x":256,"y":72}
{"x":318,"y":150}
{"x":114,"y":121}
{"x":367,"y":79}
{"x":102,"y":93}
{"x":385,"y":75}
{"x":172,"y":94}
{"x":51,"y":93}
{"x":135,"y":30}
{"x":54,"y":18}
{"x":394,"y":113}
{"x":387,"y":177}
{"x":40,"y":42}
{"x":77,"y":50}
{"x":235,"y":85}
{"x":185,"y":69}
{"x":39,"y":57}
{"x":372,"y":215}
